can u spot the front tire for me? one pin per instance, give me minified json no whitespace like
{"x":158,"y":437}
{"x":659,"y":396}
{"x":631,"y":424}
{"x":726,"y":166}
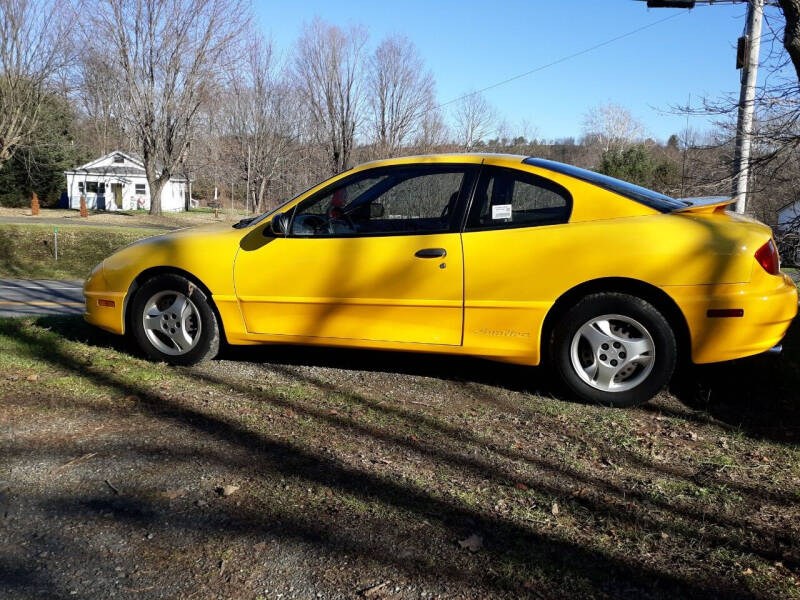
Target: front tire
{"x":172,"y":321}
{"x":614,"y":349}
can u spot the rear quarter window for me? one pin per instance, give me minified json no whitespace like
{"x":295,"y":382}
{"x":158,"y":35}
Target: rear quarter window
{"x":506,"y":198}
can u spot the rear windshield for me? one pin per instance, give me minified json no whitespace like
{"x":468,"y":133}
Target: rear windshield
{"x":654,"y":200}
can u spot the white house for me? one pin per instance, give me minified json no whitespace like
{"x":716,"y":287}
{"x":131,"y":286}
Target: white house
{"x":117,"y":181}
{"x":788,"y":215}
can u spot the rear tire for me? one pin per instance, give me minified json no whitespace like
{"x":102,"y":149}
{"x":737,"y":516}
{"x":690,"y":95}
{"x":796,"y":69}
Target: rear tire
{"x":614,"y":349}
{"x":172,"y":321}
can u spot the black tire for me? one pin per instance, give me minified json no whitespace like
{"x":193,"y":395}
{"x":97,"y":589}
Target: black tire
{"x":596,"y":305}
{"x":207,"y":343}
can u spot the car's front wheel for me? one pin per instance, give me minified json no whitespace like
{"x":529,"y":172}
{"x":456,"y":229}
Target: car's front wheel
{"x":172,"y":321}
{"x":614,"y":349}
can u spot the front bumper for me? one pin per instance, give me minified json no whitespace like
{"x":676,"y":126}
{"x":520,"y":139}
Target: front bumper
{"x":104,"y":308}
{"x":769,"y":303}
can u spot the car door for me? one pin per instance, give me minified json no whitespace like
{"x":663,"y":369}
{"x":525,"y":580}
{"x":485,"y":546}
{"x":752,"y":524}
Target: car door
{"x":376,"y":256}
{"x":513,"y":243}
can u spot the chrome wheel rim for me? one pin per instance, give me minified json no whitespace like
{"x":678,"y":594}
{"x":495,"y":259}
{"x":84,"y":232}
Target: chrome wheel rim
{"x":612,"y":353}
{"x":171,"y":322}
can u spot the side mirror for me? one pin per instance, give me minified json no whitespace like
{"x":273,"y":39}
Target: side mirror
{"x":279,"y":224}
{"x":376,"y":210}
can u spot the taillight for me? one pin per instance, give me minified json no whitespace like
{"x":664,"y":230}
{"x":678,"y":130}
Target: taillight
{"x":767,"y":257}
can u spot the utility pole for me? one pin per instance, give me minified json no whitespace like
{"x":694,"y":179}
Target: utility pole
{"x":747,"y":95}
{"x":747,"y":60}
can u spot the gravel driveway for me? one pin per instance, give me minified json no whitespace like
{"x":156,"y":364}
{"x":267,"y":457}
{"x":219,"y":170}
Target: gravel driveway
{"x":299,"y":473}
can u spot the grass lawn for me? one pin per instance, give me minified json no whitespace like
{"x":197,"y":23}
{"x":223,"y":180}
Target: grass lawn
{"x":386,"y":475}
{"x":175,"y":220}
{"x":26,"y":251}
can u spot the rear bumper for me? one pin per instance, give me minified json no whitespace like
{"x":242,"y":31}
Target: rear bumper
{"x":769,"y":304}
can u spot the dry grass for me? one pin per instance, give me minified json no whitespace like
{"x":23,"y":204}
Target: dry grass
{"x":360,"y":468}
{"x":27,"y":251}
{"x":123,"y":218}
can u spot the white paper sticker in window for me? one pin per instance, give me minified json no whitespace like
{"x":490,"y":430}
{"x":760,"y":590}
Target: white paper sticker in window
{"x":501,"y":211}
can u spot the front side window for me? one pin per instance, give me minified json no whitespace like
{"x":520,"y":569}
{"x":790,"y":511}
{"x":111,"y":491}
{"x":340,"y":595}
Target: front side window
{"x":383,"y":202}
{"x":139,"y":189}
{"x":507,"y":198}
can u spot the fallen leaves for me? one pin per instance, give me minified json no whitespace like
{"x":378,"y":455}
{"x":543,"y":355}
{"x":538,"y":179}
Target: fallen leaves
{"x":73,"y":462}
{"x":554,"y":509}
{"x":473,"y":543}
{"x":375,"y":590}
{"x":171,"y":494}
{"x":227,"y":490}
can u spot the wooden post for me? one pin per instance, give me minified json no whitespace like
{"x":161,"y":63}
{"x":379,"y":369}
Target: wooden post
{"x":84,"y":212}
{"x":35,"y":204}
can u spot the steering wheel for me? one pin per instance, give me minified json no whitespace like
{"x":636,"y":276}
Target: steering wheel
{"x":335,"y":214}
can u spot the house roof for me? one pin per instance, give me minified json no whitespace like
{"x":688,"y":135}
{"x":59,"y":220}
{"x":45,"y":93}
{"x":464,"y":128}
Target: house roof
{"x":137,"y":169}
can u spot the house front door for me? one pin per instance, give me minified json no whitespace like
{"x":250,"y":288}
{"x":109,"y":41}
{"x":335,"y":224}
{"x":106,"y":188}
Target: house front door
{"x":116,"y":193}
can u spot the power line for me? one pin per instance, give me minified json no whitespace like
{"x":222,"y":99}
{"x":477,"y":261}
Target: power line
{"x":558,"y":61}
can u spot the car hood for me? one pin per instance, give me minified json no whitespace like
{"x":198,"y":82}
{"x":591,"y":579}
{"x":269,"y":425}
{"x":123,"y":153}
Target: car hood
{"x":206,"y":253}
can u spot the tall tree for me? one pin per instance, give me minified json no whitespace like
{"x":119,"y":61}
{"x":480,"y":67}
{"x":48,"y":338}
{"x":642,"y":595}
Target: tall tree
{"x":34,"y":46}
{"x":791,"y":32}
{"x":612,"y":127}
{"x":400,"y":92}
{"x":168,"y":54}
{"x":261,"y":120}
{"x":97,"y":98}
{"x":329,"y":78}
{"x":474,"y":119}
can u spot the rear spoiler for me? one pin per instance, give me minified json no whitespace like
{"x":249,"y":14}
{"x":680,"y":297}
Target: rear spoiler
{"x":705,"y":204}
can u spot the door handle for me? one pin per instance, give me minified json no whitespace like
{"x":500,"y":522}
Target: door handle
{"x":431,"y":253}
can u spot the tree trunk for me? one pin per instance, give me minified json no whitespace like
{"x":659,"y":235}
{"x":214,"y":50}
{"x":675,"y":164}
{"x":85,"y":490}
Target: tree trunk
{"x":156,"y":186}
{"x":791,"y":34}
{"x":262,"y":195}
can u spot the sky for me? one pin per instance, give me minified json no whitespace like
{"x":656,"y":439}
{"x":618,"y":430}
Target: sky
{"x":470,"y":45}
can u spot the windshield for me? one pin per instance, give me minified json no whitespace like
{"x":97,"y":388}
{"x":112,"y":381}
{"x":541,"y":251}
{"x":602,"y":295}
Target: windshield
{"x":247,"y":222}
{"x":659,"y":202}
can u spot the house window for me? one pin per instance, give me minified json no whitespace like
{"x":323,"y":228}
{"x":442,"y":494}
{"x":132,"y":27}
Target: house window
{"x":91,"y":187}
{"x":80,"y":187}
{"x":118,"y":159}
{"x":140,"y":189}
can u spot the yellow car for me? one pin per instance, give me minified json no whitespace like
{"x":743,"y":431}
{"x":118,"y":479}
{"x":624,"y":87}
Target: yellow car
{"x":505,"y":257}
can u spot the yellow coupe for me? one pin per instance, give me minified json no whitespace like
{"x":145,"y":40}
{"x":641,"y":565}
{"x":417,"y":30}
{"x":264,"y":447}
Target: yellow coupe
{"x":505,"y":257}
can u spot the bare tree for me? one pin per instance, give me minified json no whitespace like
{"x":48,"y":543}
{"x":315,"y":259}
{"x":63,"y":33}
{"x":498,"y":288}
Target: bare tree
{"x":329,"y":79}
{"x":432,"y":132}
{"x":34,"y":46}
{"x":775,"y":153}
{"x":96,"y":97}
{"x":612,"y":127}
{"x":474,"y":119}
{"x":791,"y":32}
{"x":400,"y":92}
{"x":168,"y":54}
{"x":261,"y":119}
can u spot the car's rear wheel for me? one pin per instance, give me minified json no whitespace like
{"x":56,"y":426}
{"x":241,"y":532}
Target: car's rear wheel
{"x":614,"y":349}
{"x":172,"y":321}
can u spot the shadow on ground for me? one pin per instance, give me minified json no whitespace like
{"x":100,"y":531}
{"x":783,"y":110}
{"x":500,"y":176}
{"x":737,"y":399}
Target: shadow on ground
{"x":313,"y":462}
